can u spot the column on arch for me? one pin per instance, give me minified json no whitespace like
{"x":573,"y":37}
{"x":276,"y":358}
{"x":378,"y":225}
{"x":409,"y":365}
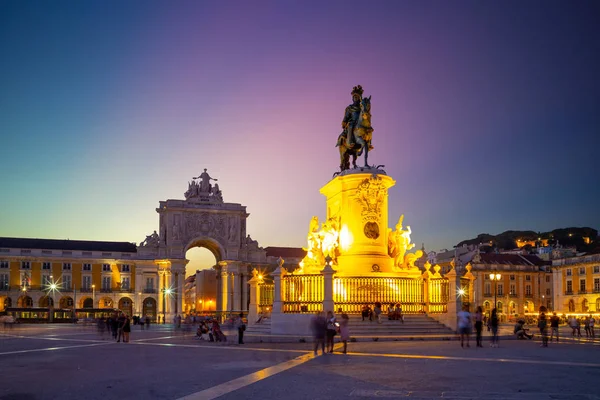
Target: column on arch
{"x":223,"y":299}
{"x":161,"y":287}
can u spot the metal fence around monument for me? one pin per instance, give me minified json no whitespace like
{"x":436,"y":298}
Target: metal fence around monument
{"x":351,"y":293}
{"x":265,"y":301}
{"x":438,"y":295}
{"x":302,"y":293}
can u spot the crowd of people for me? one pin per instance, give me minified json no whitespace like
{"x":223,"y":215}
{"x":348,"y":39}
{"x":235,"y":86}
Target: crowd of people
{"x":118,"y":325}
{"x":394,"y":312}
{"x":548,"y":327}
{"x":325,"y":327}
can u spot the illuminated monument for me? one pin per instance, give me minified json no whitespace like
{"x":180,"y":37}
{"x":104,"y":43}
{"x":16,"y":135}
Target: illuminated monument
{"x":353,"y":258}
{"x":355,"y":235}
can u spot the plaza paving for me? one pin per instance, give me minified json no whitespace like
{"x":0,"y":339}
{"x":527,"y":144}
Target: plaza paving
{"x":74,"y":362}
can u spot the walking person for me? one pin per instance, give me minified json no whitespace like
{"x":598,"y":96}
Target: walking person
{"x":586,"y":326}
{"x":318,"y":326}
{"x":464,"y":325}
{"x":241,"y":327}
{"x":377,"y":311}
{"x":114,"y":326}
{"x":554,"y":322}
{"x":147,"y":322}
{"x":120,"y":326}
{"x":493,"y":324}
{"x":126,"y":329}
{"x":331,"y":331}
{"x":542,"y":325}
{"x":592,"y":323}
{"x":478,"y":326}
{"x":344,"y":330}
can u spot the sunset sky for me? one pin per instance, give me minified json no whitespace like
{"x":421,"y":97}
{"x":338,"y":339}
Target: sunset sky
{"x":487,"y":114}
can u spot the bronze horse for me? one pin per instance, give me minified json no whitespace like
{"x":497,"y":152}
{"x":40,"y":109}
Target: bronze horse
{"x":361,"y":137}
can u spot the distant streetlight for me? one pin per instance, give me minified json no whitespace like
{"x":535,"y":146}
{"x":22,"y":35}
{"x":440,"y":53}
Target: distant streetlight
{"x":495,"y":278}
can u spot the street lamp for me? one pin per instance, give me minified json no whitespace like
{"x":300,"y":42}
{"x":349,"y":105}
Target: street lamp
{"x":93,"y":296}
{"x":495,"y":278}
{"x":166,"y":291}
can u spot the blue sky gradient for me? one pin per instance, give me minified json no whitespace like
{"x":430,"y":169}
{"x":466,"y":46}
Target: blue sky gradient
{"x":487,"y":114}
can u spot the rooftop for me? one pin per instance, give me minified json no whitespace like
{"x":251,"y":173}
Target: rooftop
{"x":62,"y":244}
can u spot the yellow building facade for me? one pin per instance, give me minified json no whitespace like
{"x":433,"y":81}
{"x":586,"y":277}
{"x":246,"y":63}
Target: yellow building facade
{"x":521,"y":284}
{"x":81,"y":275}
{"x":577,"y":284}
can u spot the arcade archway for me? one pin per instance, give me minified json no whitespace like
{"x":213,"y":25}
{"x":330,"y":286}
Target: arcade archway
{"x":24,"y":302}
{"x":149,"y":308}
{"x":46,"y":302}
{"x":126,"y":305}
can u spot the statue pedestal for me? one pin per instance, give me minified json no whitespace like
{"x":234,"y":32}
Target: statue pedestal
{"x":359,"y":199}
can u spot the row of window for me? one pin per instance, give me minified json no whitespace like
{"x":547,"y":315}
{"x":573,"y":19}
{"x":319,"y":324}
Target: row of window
{"x":66,"y":266}
{"x":512,"y":277}
{"x":65,"y":282}
{"x":582,"y":271}
{"x":512,"y":290}
{"x":583,"y":286}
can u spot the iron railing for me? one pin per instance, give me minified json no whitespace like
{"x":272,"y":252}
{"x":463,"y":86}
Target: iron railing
{"x":302,"y":293}
{"x":352,"y":293}
{"x":438,"y":295}
{"x":265,"y":302}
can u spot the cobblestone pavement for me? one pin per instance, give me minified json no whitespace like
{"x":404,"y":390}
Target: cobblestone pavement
{"x":75,"y":362}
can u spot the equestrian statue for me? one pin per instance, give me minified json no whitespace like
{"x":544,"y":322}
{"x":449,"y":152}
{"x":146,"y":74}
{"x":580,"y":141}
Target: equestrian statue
{"x":355,"y":138}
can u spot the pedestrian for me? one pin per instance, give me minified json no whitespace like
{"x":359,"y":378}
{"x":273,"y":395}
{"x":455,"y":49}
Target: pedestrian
{"x":344,"y":331}
{"x":318,"y":325}
{"x":147,"y":322}
{"x":478,"y":326}
{"x":586,"y":326}
{"x":241,"y":327}
{"x":399,"y":312}
{"x":114,"y":326}
{"x":101,"y":325}
{"x":377,"y":311}
{"x":592,"y":323}
{"x":554,"y":322}
{"x":493,"y":326}
{"x":120,"y":326}
{"x":542,"y":325}
{"x":126,"y":329}
{"x":331,"y":330}
{"x":464,"y":325}
{"x":142,"y":322}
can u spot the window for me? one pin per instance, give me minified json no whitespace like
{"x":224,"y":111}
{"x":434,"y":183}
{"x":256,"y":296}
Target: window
{"x":3,"y":281}
{"x":547,"y":278}
{"x":513,"y":289}
{"x":3,"y":264}
{"x":125,"y":284}
{"x":569,"y":272}
{"x":86,"y":283}
{"x":66,"y":266}
{"x":597,"y":269}
{"x":500,"y":289}
{"x":25,"y":265}
{"x":528,"y":278}
{"x":46,"y":265}
{"x":125,"y":268}
{"x":46,"y":281}
{"x":87,"y":267}
{"x":527,"y":290}
{"x":150,"y":283}
{"x":106,"y":283}
{"x":106,"y":268}
{"x":596,"y":285}
{"x":582,"y":271}
{"x":569,"y":286}
{"x":512,"y":277}
{"x":582,"y":285}
{"x":548,"y":292}
{"x":66,"y":282}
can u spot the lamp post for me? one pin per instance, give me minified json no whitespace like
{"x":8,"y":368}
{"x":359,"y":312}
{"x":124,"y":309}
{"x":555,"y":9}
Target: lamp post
{"x":166,"y":291}
{"x":93,"y":296}
{"x":495,"y":278}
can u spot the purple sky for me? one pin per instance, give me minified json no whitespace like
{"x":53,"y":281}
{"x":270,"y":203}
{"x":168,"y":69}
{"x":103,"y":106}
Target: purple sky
{"x":487,"y":114}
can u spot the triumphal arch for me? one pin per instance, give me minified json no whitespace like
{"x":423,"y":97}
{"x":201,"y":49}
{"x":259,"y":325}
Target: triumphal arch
{"x":203,"y":219}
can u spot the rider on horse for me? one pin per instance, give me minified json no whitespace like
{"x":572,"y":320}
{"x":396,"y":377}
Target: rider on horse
{"x":351,"y":118}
